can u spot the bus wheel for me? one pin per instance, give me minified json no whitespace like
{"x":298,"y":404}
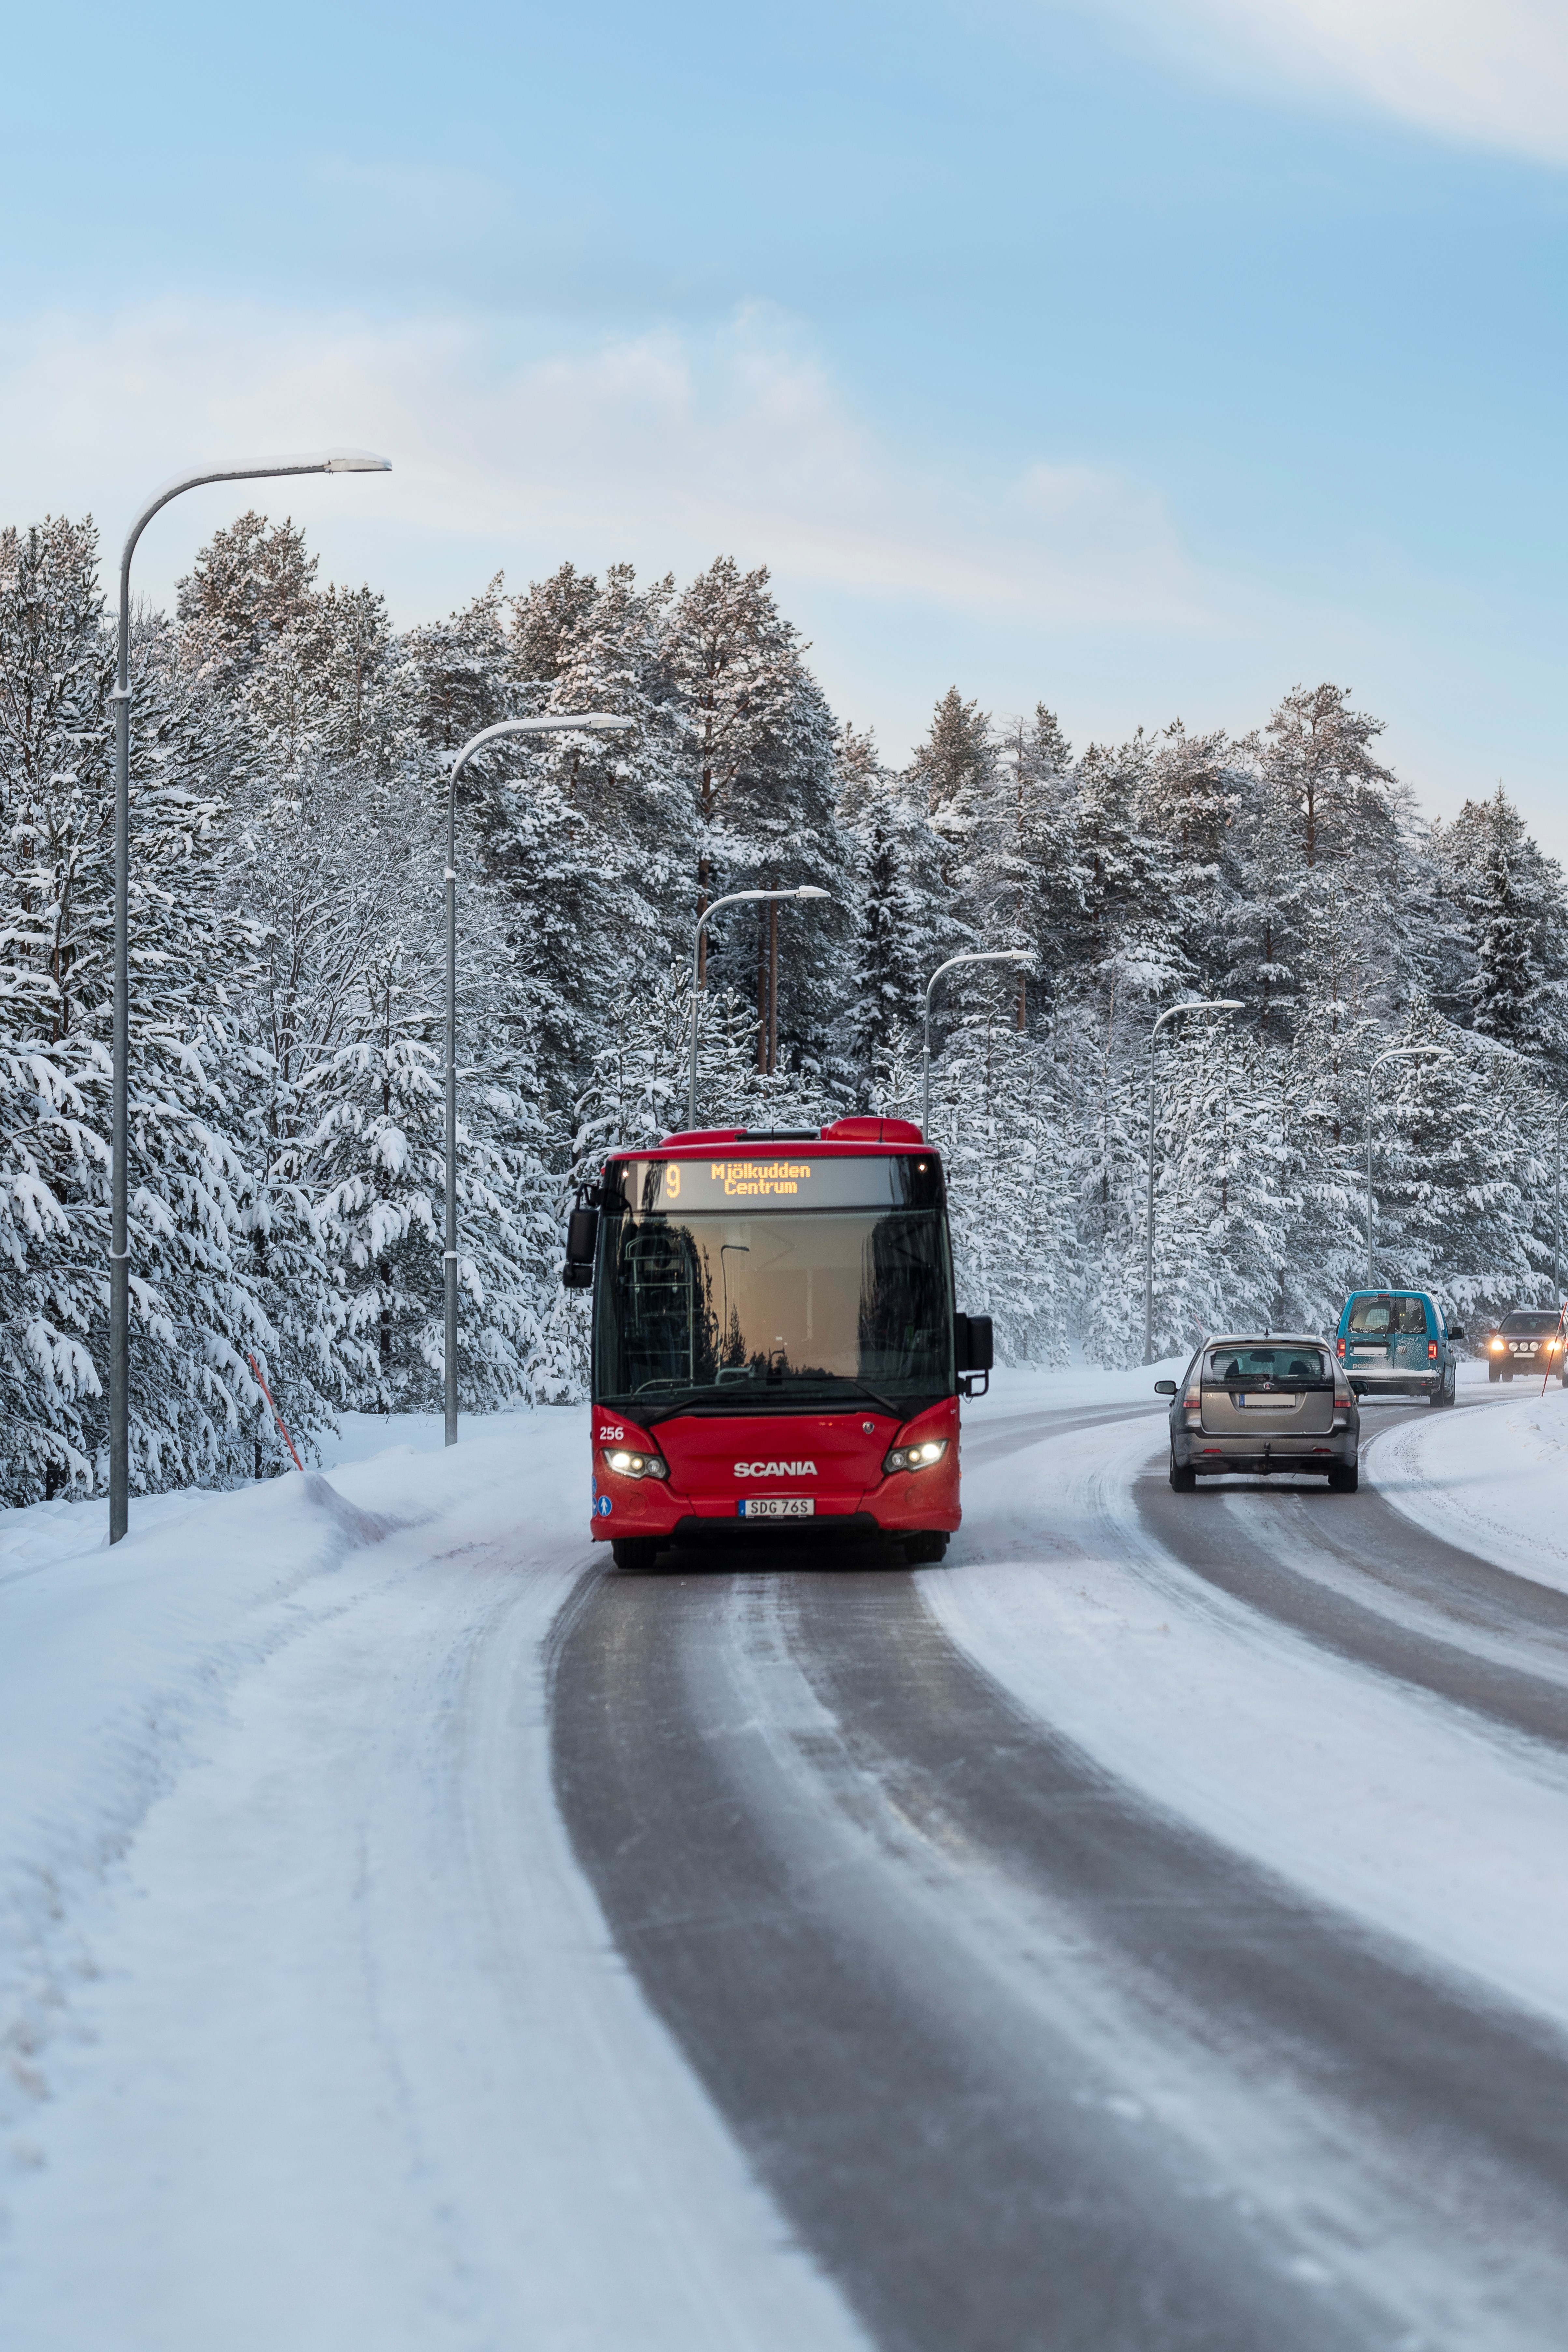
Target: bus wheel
{"x":924,"y":1549}
{"x":635,"y":1552}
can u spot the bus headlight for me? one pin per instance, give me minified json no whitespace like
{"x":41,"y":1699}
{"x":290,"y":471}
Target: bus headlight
{"x":915,"y":1458}
{"x":636,"y":1465}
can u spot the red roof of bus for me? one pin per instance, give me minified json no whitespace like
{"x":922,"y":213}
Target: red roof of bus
{"x":847,"y":1139}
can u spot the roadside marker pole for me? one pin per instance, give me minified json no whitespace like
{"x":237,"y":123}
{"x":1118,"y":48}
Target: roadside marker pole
{"x":276,"y":1414}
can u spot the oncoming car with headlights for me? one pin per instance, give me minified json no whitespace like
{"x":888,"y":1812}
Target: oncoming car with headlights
{"x":1528,"y":1340}
{"x":1263,"y":1403}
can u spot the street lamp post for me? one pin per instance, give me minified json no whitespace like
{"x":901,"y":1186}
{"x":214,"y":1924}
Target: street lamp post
{"x":1557,"y":1206}
{"x":587,"y":722}
{"x":1171,"y":1013}
{"x":1394,"y":1053}
{"x":984,"y":955}
{"x":734,"y":897}
{"x":256,"y":469}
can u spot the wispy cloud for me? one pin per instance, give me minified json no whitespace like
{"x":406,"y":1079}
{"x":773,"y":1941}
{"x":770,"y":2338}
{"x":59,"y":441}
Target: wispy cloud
{"x":1490,"y":72}
{"x":665,"y":447}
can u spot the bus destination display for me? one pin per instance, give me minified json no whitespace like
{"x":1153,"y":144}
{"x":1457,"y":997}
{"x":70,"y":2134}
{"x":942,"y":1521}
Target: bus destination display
{"x":889,"y":1181}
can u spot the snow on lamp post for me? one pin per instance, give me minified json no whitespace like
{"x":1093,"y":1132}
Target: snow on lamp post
{"x":1393,"y":1053}
{"x":1171,"y":1013}
{"x":587,"y":722}
{"x":983,"y":955}
{"x":734,"y":897}
{"x":255,"y":469}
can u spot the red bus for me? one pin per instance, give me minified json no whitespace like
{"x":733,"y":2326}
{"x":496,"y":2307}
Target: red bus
{"x":774,"y":1341}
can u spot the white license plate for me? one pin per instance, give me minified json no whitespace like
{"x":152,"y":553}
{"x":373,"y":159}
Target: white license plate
{"x":1270,"y":1403}
{"x":777,"y":1506}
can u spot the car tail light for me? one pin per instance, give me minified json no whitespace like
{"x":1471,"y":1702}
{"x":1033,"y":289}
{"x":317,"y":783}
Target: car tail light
{"x":1431,"y":1351}
{"x":1340,"y":1345}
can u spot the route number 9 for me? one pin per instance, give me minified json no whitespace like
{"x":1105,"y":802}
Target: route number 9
{"x":672,"y":1181}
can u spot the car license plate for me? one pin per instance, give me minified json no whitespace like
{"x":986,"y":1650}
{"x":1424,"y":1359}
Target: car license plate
{"x":1269,"y":1403}
{"x":777,"y":1506}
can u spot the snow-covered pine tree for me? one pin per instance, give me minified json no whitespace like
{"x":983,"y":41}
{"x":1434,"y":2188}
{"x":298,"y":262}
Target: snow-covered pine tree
{"x":1512,"y":929}
{"x":735,"y":663}
{"x":196,"y":1310}
{"x":904,"y":930}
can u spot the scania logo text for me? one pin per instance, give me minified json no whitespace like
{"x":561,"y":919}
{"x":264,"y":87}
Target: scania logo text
{"x":775,"y":1469}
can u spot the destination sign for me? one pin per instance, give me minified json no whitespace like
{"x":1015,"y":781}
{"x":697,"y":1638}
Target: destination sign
{"x":889,"y":1181}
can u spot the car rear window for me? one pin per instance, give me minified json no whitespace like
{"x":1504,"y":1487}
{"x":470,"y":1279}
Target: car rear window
{"x":1232,"y":1366}
{"x":1389,"y":1311}
{"x":1528,"y":1327}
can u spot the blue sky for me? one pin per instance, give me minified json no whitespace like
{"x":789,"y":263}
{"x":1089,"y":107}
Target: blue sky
{"x":1146,"y":361}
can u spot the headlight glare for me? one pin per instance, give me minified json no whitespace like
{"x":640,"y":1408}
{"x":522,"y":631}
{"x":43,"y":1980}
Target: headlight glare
{"x":915,"y":1458}
{"x":628,"y":1464}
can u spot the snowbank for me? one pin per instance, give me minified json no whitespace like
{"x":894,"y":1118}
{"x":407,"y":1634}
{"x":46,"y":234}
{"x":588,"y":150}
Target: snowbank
{"x":1492,"y":1480}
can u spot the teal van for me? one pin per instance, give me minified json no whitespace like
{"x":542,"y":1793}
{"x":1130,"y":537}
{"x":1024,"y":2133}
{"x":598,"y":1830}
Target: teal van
{"x":1398,"y":1343}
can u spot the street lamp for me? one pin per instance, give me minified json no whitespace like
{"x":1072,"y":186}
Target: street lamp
{"x":587,"y":722}
{"x":1171,"y":1013}
{"x":984,"y":955}
{"x":256,"y":469}
{"x":1394,"y":1053}
{"x":805,"y":890}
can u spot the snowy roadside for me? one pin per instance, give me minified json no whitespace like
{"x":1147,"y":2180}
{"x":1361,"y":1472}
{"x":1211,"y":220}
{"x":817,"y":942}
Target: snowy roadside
{"x":1492,"y":1481}
{"x":315,"y":2034}
{"x":1086,"y":1388}
{"x":1427,"y":1825}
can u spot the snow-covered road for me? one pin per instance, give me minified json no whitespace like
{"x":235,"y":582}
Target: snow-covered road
{"x":1148,"y":1929}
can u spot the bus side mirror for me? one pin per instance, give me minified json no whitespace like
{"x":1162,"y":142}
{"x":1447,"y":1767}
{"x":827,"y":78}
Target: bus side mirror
{"x":973,"y":1350}
{"x":582,"y":1233}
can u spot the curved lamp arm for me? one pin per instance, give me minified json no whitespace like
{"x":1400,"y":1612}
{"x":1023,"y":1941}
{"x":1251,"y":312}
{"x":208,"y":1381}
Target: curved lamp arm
{"x":730,"y":899}
{"x":250,"y":469}
{"x":974,"y":955}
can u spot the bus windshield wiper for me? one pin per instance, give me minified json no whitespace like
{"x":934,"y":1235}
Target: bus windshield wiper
{"x":894,"y":1413}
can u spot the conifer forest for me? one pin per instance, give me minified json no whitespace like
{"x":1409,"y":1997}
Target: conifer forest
{"x":290,"y":754}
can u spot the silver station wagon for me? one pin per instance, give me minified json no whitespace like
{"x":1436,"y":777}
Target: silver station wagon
{"x":1262,"y":1403}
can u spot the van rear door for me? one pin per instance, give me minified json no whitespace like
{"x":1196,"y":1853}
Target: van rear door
{"x":1263,"y":1390}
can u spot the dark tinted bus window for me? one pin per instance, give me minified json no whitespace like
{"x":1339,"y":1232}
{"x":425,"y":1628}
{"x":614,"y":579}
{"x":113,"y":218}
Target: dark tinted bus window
{"x":759,"y":1312}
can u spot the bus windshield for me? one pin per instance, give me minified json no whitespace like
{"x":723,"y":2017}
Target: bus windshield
{"x":757,"y":1314}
